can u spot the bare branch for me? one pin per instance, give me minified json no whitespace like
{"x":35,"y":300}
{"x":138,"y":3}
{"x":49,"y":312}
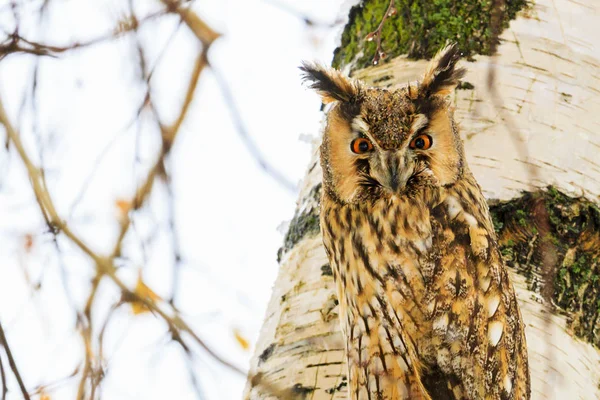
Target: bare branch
{"x":376,"y":34}
{"x":168,"y":136}
{"x":3,"y":375}
{"x":17,"y":44}
{"x":203,"y":32}
{"x":247,"y":139}
{"x":39,"y":187}
{"x":13,"y":365}
{"x":105,"y":265}
{"x":309,"y":21}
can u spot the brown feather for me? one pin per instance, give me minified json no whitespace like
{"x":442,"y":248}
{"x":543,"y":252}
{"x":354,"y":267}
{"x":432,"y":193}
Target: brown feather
{"x":331,"y":84}
{"x":442,"y":76}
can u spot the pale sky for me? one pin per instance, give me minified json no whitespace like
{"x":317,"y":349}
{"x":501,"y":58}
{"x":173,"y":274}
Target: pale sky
{"x":227,"y":210}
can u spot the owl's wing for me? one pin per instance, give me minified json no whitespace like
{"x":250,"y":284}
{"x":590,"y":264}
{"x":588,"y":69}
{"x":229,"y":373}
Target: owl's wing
{"x":480,"y":345}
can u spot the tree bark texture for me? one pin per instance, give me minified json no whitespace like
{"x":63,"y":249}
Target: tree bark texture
{"x":540,"y":131}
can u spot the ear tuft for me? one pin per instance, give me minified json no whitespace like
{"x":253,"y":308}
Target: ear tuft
{"x":442,"y":76}
{"x":329,"y":83}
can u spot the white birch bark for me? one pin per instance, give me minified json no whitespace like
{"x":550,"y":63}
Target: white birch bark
{"x":548,"y":76}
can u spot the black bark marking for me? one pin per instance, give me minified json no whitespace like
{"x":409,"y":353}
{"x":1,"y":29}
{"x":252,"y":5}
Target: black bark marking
{"x":324,"y":364}
{"x":266,"y":353}
{"x":337,"y":388}
{"x":303,"y":391}
{"x":326,"y":270}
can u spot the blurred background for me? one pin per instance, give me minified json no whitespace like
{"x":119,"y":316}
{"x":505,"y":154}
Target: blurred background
{"x":167,"y":162}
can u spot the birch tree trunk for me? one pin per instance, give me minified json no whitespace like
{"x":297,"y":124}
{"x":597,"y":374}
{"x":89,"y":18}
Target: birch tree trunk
{"x":548,"y":80}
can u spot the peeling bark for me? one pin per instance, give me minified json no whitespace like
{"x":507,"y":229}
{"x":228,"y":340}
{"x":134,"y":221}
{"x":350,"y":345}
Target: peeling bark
{"x":547,"y":75}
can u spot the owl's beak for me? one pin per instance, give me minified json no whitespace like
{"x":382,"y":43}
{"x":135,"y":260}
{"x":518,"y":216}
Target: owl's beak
{"x":397,"y":168}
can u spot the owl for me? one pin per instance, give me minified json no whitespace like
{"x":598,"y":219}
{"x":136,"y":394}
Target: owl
{"x":426,"y":305}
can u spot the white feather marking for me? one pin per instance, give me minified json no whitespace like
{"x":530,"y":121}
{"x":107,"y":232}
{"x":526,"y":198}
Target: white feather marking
{"x":444,"y":359}
{"x":397,"y":343}
{"x":376,"y":366}
{"x":492,"y":304}
{"x":507,"y":384}
{"x":495,"y":329}
{"x":431,"y":306}
{"x":454,"y":207}
{"x":423,"y":245}
{"x":359,"y":125}
{"x":441,"y":323}
{"x":420,"y":120}
{"x":470,"y":219}
{"x":484,"y":283}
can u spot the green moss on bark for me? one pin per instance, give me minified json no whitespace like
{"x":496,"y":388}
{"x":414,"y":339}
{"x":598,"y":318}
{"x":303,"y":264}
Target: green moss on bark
{"x":571,"y":237}
{"x":421,"y":28}
{"x":305,"y":222}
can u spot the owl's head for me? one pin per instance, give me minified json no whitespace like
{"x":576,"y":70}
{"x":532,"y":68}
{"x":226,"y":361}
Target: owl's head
{"x":380,"y":143}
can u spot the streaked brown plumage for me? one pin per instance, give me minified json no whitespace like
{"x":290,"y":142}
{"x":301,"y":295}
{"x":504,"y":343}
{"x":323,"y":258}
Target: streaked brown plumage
{"x":426,"y":304}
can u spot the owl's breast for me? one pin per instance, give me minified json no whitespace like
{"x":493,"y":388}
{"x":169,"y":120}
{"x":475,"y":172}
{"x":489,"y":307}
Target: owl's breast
{"x":404,"y":257}
{"x":383,"y":253}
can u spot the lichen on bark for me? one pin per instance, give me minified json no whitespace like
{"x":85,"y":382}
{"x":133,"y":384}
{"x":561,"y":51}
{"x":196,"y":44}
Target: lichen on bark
{"x":574,"y":237}
{"x":420,"y":28}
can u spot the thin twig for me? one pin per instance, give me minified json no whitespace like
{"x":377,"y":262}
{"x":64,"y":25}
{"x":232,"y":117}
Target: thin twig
{"x":206,"y":35}
{"x":40,"y":190}
{"x":376,"y":34}
{"x":40,"y":389}
{"x":174,"y":241}
{"x":86,"y":335}
{"x":194,"y":379}
{"x":17,"y":44}
{"x":105,"y":265}
{"x":13,"y":365}
{"x":246,"y":138}
{"x":309,"y":21}
{"x":3,"y":375}
{"x":168,"y":136}
{"x":174,"y":322}
{"x":199,"y":28}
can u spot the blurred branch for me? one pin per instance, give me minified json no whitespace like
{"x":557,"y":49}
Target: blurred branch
{"x":3,"y":375}
{"x":207,"y":36}
{"x":86,"y":334}
{"x":199,"y":28}
{"x":13,"y":366}
{"x":168,"y":136}
{"x":174,"y":242}
{"x":105,"y":265}
{"x":106,"y":149}
{"x":40,"y":190}
{"x":15,"y":43}
{"x":41,"y":389}
{"x":309,"y":21}
{"x":103,"y":331}
{"x":90,"y":371}
{"x":247,"y":139}
{"x":194,"y":380}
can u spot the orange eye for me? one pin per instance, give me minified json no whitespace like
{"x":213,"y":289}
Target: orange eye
{"x":421,"y":142}
{"x":361,"y":146}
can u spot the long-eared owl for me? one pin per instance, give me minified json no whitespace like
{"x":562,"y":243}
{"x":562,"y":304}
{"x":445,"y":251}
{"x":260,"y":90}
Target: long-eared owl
{"x":426,"y":305}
